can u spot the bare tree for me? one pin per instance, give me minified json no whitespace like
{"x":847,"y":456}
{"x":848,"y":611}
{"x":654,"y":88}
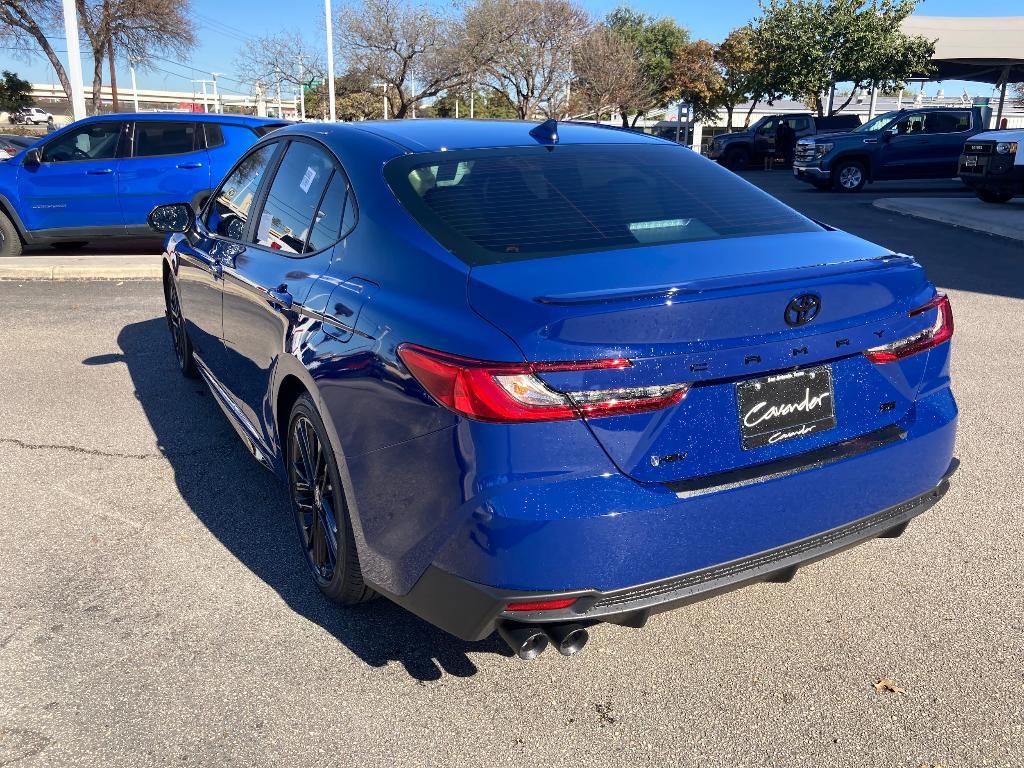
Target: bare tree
{"x":287,"y":57}
{"x":139,"y":28}
{"x":608,"y":76}
{"x":523,"y":48}
{"x":413,"y":49}
{"x":27,"y":22}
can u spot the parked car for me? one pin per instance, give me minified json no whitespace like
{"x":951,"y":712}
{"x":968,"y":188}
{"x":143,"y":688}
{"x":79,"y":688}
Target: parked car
{"x":30,"y":116}
{"x":992,"y":164}
{"x":740,"y":149}
{"x":906,"y":144}
{"x":535,"y":379}
{"x":11,"y":144}
{"x":100,"y":177}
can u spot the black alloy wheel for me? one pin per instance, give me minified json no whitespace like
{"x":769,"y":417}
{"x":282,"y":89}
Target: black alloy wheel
{"x":321,"y":514}
{"x":179,"y":333}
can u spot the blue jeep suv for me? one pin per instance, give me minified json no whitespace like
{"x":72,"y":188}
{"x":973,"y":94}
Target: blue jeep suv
{"x":532,"y":378}
{"x":100,"y":177}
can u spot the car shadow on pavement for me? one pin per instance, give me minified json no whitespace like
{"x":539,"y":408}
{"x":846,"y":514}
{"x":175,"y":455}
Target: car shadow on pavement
{"x":247,"y":509}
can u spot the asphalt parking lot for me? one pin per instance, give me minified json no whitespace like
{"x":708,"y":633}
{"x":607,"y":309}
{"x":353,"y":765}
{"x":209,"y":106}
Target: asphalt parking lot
{"x":154,"y":609}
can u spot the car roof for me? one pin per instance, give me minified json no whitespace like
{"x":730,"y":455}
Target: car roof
{"x":191,"y":117}
{"x":437,"y":134}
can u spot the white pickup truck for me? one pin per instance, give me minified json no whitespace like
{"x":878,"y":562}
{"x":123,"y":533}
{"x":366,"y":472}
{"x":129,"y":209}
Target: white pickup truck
{"x":992,"y":164}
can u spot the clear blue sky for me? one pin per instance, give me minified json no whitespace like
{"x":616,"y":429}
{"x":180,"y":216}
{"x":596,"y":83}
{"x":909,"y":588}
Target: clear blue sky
{"x":224,"y":25}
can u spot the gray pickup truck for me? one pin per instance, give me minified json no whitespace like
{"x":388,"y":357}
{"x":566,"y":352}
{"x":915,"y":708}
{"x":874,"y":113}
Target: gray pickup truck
{"x":741,"y":149}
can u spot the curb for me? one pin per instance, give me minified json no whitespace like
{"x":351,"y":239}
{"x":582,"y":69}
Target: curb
{"x":22,"y":268}
{"x":1010,"y":231}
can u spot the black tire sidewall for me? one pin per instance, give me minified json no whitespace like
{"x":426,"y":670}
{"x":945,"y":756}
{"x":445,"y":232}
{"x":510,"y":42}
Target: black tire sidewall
{"x":737,"y":159}
{"x":996,"y":198}
{"x":346,"y":586}
{"x":10,"y":245}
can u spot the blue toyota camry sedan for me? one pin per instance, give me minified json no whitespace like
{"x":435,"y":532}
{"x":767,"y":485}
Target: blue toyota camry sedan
{"x":530,"y":378}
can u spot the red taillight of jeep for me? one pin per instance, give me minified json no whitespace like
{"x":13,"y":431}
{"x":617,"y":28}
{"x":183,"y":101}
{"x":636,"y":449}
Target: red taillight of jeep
{"x":940,"y":332}
{"x":509,"y":393}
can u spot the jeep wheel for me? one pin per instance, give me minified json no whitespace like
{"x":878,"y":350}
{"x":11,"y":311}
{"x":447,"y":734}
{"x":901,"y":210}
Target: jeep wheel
{"x":737,"y":159}
{"x":849,"y":176}
{"x":10,"y":240}
{"x":988,"y":196}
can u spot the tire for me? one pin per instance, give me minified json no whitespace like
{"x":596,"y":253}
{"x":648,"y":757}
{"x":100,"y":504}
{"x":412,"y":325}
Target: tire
{"x":849,"y":176}
{"x":988,"y":196}
{"x":73,"y":245}
{"x":179,"y":331}
{"x":10,"y":240}
{"x":321,"y":514}
{"x":737,"y":159}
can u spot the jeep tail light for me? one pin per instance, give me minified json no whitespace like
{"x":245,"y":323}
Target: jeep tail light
{"x":941,"y":331}
{"x":512,"y":392}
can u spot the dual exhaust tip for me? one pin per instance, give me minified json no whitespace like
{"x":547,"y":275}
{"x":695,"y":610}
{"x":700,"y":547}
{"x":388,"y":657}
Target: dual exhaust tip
{"x":528,"y":641}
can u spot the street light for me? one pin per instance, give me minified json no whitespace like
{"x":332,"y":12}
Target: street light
{"x":330,"y":59}
{"x":74,"y":60}
{"x":383,"y":86}
{"x":216,"y":98}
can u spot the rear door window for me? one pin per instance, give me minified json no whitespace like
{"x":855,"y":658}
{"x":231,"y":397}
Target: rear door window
{"x":947,"y":122}
{"x":155,"y":138}
{"x":228,"y":212}
{"x":494,"y":205}
{"x":294,"y":197}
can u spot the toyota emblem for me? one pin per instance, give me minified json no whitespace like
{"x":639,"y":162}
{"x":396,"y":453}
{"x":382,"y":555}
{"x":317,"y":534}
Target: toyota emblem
{"x":802,"y":309}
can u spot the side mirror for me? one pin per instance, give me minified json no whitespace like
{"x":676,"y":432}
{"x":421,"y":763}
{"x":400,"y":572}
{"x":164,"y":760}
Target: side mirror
{"x":32,"y":158}
{"x":888,"y":133}
{"x":175,"y":217}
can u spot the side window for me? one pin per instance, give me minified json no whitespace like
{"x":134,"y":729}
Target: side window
{"x":330,"y":221}
{"x":294,"y":197}
{"x":947,"y":122}
{"x":214,"y":135}
{"x":153,"y":138}
{"x":229,"y":211}
{"x":93,"y":141}
{"x":799,"y":123}
{"x":910,"y":125}
{"x":768,"y":129}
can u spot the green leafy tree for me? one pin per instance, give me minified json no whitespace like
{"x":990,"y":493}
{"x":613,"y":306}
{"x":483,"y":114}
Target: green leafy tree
{"x":653,"y":42}
{"x":804,"y":47}
{"x":14,"y":92}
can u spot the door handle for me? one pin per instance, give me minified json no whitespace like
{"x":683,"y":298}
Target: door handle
{"x":190,"y":165}
{"x":281,"y":297}
{"x":100,"y":172}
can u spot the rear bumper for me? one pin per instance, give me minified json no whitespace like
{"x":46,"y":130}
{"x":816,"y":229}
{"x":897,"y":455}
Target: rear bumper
{"x":472,"y":611}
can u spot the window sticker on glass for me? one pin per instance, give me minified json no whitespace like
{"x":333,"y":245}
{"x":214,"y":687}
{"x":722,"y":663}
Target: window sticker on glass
{"x":307,"y":179}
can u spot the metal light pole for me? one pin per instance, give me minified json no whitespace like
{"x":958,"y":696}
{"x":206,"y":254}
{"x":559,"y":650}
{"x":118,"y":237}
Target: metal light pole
{"x":302,"y":93}
{"x":135,"y":88}
{"x":874,"y":100}
{"x":216,"y":97}
{"x":74,"y":60}
{"x":472,"y":100}
{"x":206,"y":106}
{"x":330,"y":59}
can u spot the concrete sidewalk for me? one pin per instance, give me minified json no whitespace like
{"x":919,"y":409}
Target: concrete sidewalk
{"x":1005,"y":220}
{"x":81,"y":267}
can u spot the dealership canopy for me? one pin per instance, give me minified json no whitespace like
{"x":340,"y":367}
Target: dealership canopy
{"x":983,"y":49}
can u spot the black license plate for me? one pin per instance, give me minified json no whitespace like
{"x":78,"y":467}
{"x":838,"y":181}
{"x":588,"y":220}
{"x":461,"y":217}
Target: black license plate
{"x":785,"y":406}
{"x":970,"y":160}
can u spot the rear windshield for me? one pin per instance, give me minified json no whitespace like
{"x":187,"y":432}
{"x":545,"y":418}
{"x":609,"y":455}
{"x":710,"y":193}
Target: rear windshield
{"x":495,"y":205}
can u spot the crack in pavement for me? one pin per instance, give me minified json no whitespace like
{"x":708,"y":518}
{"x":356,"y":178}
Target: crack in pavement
{"x":76,"y":449}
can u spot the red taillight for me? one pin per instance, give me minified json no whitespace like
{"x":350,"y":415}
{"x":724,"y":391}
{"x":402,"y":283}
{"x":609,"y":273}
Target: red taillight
{"x":512,"y":392}
{"x":542,"y":605}
{"x":941,"y":331}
